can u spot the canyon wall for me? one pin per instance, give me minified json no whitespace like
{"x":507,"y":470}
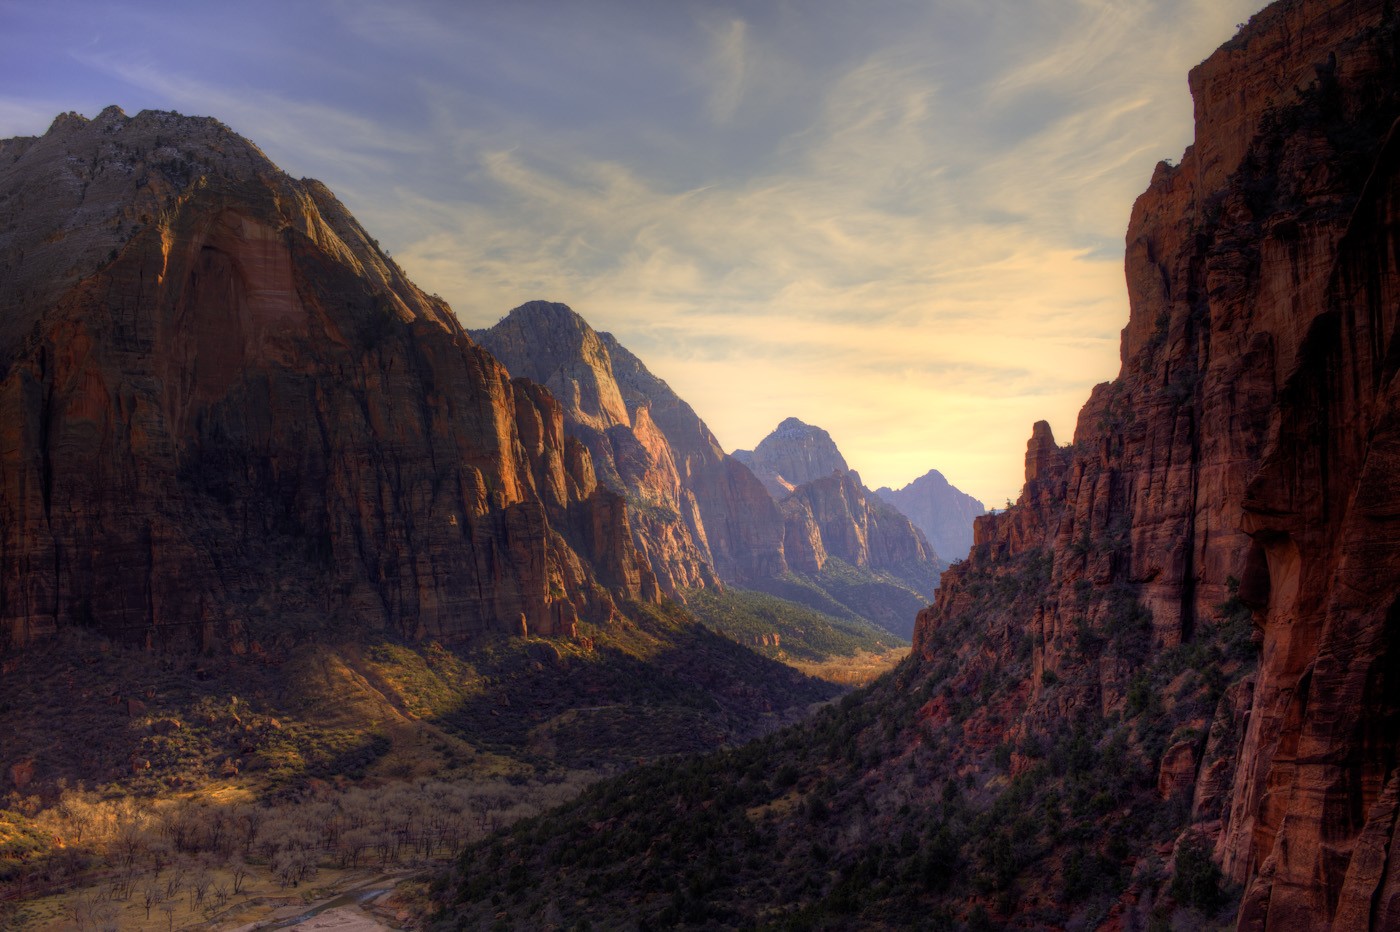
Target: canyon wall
{"x":1246,"y":455}
{"x":227,"y":418}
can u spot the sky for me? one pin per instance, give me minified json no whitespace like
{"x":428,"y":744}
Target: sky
{"x":901,"y":221}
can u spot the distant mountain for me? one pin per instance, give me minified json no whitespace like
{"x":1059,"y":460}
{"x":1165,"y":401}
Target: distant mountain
{"x":830,"y":515}
{"x":941,"y":510}
{"x":696,"y":511}
{"x":792,"y":454}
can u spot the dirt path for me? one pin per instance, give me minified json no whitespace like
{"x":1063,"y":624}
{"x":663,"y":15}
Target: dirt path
{"x":365,"y":905}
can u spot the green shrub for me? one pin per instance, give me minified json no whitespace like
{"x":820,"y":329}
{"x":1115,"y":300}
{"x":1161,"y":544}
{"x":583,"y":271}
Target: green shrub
{"x":1196,"y":880}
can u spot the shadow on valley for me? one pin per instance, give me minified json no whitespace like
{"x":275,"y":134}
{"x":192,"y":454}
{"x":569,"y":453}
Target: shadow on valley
{"x":922,"y":800}
{"x":657,"y":685}
{"x":138,"y":781}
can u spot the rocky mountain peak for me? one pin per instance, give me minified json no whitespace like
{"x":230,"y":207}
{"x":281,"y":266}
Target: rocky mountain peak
{"x":549,"y":343}
{"x":699,"y":513}
{"x":212,"y":378}
{"x":73,"y":199}
{"x":938,"y":508}
{"x":794,"y":453}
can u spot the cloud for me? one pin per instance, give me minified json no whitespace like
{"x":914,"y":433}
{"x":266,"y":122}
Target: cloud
{"x":28,"y":118}
{"x":826,"y":306}
{"x":892,"y":278}
{"x":729,"y":65}
{"x":900,"y":221}
{"x":313,"y":133}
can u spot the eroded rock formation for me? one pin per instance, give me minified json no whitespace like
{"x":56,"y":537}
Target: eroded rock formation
{"x":696,"y":511}
{"x":1247,"y":453}
{"x":228,"y":418}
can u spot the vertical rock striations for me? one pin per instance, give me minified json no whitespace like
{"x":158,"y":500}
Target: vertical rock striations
{"x":696,"y":512}
{"x":227,"y":416}
{"x":1247,"y":453}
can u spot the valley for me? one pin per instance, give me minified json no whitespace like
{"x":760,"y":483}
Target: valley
{"x":316,"y":605}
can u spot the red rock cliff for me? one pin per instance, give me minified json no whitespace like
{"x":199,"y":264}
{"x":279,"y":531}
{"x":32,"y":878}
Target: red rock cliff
{"x":697,"y":513}
{"x":1249,"y":442}
{"x":227,"y":417}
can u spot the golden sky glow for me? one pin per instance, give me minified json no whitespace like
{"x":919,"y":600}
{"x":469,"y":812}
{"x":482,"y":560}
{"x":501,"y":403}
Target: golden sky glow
{"x":900,"y":221}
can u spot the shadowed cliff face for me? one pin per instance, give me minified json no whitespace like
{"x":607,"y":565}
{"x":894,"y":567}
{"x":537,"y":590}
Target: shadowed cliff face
{"x":1247,"y":451}
{"x":235,"y":421}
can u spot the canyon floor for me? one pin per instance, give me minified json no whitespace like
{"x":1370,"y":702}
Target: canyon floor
{"x":158,"y":791}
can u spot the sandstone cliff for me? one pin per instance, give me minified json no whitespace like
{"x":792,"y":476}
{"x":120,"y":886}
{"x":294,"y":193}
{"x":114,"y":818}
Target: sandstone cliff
{"x":1163,"y":685}
{"x":1245,"y":456}
{"x":228,"y":418}
{"x":696,"y":512}
{"x":938,"y":508}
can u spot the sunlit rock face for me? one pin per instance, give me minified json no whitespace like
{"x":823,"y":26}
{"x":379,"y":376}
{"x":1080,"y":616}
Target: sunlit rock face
{"x":229,"y":419}
{"x":827,"y":512}
{"x":942,"y":511}
{"x":792,"y":454}
{"x":1251,"y":447}
{"x":836,"y":516}
{"x":697,"y":513}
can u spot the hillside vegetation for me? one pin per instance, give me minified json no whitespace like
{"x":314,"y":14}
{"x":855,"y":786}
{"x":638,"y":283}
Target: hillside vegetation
{"x":139,"y":772}
{"x":872,"y":814}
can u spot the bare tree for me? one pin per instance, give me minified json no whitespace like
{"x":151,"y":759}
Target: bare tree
{"x":175,"y":882}
{"x":150,"y":896}
{"x":199,"y":885}
{"x":239,"y":870}
{"x":80,"y":911}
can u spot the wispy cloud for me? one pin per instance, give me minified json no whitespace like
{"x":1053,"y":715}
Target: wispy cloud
{"x":316,"y":133}
{"x":899,"y":221}
{"x":729,"y":62}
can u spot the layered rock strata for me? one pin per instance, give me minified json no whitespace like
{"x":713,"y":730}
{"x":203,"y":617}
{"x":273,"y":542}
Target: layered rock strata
{"x":697,"y":513}
{"x":1248,"y":451}
{"x":228,"y":418}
